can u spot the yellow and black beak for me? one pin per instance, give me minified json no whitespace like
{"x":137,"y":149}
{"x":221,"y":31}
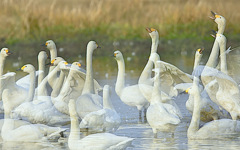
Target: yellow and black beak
{"x":8,"y":52}
{"x":21,"y":69}
{"x":150,"y":30}
{"x":187,"y":90}
{"x":200,"y":50}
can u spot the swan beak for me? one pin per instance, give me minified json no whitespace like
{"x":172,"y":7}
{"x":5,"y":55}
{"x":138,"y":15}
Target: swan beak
{"x":8,"y":52}
{"x":98,"y":46}
{"x":214,"y":15}
{"x":200,"y":50}
{"x":187,"y":90}
{"x":148,"y":30}
{"x":19,"y":69}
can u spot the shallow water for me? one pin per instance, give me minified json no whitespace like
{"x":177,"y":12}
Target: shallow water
{"x":131,"y":127}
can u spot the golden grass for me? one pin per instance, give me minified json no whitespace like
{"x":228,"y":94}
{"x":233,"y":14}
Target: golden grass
{"x":116,"y":18}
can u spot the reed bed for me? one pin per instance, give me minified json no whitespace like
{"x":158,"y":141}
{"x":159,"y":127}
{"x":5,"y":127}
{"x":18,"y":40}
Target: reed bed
{"x":117,"y":19}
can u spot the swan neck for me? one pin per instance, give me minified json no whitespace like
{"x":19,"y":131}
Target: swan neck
{"x":221,"y":28}
{"x":223,"y":57}
{"x":212,"y":60}
{"x":88,"y":85}
{"x":156,"y":93}
{"x":197,"y":61}
{"x":32,"y":86}
{"x":106,"y":100}
{"x":154,"y":46}
{"x":58,"y":85}
{"x":194,"y":124}
{"x":2,"y":62}
{"x":53,"y":52}
{"x":75,"y":130}
{"x":41,"y":71}
{"x":120,"y":83}
{"x":146,"y":73}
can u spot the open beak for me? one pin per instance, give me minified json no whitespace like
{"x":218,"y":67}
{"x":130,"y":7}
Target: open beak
{"x":214,"y":33}
{"x":9,"y":53}
{"x":49,"y":64}
{"x":148,"y":30}
{"x":214,"y":15}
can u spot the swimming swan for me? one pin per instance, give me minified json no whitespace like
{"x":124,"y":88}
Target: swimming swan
{"x":89,"y":101}
{"x":26,"y":132}
{"x":217,"y":129}
{"x":104,"y":120}
{"x":161,"y":116}
{"x":39,"y":109}
{"x":130,"y":95}
{"x":100,"y":141}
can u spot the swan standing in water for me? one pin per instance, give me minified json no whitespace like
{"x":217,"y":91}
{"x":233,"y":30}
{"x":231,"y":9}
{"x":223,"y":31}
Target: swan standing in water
{"x":217,"y":129}
{"x":99,"y":141}
{"x":130,"y":95}
{"x":104,"y":120}
{"x":3,"y":54}
{"x":161,"y":116}
{"x":209,"y":109}
{"x":89,"y":101}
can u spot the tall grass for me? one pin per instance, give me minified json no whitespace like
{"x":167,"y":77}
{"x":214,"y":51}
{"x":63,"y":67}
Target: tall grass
{"x":118,"y":19}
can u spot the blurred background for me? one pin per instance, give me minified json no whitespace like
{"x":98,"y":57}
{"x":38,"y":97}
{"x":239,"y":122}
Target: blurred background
{"x":183,"y":26}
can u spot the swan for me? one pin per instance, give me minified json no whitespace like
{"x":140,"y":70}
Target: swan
{"x":217,"y":129}
{"x":40,"y":109}
{"x":161,"y":116}
{"x":89,"y":101}
{"x":130,"y":95}
{"x":3,"y":54}
{"x":221,"y":22}
{"x":25,"y":132}
{"x":100,"y":141}
{"x":24,"y":81}
{"x":227,"y":92}
{"x":104,"y":120}
{"x":169,"y":76}
{"x":209,"y":109}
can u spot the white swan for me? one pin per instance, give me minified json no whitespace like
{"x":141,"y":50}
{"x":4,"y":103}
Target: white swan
{"x":104,"y":120}
{"x":100,"y":141}
{"x":130,"y":95}
{"x":24,"y":81}
{"x":40,"y":109}
{"x":161,"y":116}
{"x":3,"y":54}
{"x":89,"y":101}
{"x":25,"y":132}
{"x":217,"y":129}
{"x":221,"y":22}
{"x":227,"y":91}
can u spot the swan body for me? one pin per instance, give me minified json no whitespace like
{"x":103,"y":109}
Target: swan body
{"x":89,"y":101}
{"x":40,"y":110}
{"x":217,"y":129}
{"x":104,"y":120}
{"x":130,"y":95}
{"x":25,"y":132}
{"x":161,"y":116}
{"x":101,"y":141}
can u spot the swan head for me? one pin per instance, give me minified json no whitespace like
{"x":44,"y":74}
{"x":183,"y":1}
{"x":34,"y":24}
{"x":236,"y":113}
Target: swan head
{"x":221,"y":39}
{"x":5,"y":52}
{"x":56,"y":61}
{"x":76,"y":65}
{"x":220,"y":20}
{"x":50,"y":44}
{"x":118,"y":55}
{"x":92,"y":45}
{"x":28,"y":68}
{"x":42,"y":56}
{"x":152,"y":32}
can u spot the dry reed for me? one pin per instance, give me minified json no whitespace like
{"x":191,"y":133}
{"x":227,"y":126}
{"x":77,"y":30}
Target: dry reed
{"x":116,"y":18}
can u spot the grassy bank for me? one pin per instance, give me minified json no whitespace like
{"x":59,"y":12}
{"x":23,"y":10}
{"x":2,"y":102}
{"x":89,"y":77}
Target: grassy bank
{"x":30,"y":20}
